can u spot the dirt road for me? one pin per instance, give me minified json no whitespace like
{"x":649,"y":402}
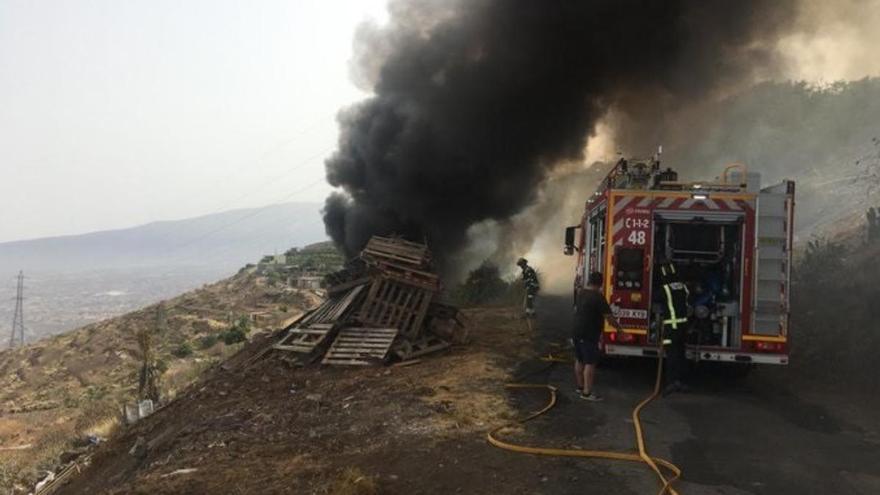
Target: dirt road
{"x":729,"y":436}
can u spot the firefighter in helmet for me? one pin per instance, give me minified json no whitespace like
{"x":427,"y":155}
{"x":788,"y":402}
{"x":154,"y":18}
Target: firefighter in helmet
{"x":676,"y":308}
{"x":530,"y":280}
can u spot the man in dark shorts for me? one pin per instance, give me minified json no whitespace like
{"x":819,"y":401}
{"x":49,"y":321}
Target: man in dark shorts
{"x":590,"y":311}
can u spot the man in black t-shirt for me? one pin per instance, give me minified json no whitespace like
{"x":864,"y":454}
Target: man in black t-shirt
{"x":590,"y":311}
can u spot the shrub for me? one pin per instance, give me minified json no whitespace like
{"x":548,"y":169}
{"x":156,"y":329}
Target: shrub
{"x":233,"y":336}
{"x":208,"y":341}
{"x":183,"y":350}
{"x":483,"y":285}
{"x":243,"y":323}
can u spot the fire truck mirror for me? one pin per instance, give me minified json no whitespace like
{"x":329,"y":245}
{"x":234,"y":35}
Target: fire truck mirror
{"x":569,"y":240}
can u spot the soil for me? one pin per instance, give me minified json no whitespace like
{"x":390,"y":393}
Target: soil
{"x":55,"y":392}
{"x":272,"y":428}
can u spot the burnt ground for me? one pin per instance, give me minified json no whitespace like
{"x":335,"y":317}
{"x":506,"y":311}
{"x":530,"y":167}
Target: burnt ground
{"x":272,"y":428}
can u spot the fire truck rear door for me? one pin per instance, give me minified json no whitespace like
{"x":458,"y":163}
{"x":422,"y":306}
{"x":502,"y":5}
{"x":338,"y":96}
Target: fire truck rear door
{"x":773,"y":259}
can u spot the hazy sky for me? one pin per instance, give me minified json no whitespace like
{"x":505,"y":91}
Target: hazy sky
{"x":115,"y":113}
{"x":120,"y":112}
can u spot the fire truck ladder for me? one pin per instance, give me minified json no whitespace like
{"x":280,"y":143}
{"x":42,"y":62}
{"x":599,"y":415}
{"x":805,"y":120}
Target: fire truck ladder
{"x":772,"y":274}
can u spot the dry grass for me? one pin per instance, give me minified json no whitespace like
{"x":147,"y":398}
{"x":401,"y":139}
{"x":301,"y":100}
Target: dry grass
{"x":18,"y":469}
{"x":76,"y":382}
{"x":353,"y":481}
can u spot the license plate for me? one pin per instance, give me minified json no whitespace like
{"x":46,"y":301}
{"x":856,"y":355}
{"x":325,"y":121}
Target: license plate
{"x":637,"y":314}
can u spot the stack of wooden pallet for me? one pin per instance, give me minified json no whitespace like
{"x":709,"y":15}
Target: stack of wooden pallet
{"x":378,"y":310}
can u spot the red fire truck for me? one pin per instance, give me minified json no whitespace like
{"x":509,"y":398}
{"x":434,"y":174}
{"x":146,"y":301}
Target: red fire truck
{"x":730,"y":240}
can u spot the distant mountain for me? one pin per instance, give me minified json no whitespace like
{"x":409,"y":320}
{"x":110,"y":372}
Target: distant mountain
{"x":220,"y":241}
{"x":79,"y":279}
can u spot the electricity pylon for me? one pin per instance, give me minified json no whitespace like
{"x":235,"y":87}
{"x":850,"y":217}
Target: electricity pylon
{"x":18,"y":316}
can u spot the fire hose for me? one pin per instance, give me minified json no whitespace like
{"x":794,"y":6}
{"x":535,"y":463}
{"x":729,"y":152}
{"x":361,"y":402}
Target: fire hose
{"x":655,"y":463}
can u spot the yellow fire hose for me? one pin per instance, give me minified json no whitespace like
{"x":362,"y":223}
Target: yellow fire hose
{"x":655,"y":463}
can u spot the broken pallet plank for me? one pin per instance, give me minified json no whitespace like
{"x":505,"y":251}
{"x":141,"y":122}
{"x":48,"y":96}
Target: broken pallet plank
{"x":360,"y":344}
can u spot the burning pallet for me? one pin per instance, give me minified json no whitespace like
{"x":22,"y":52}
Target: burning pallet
{"x":380,"y":307}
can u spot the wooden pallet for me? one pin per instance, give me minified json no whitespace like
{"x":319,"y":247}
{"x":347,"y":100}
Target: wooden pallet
{"x":360,"y":346}
{"x":406,"y":350}
{"x":393,"y":304}
{"x":305,"y":339}
{"x":335,"y":308}
{"x":398,"y":251}
{"x":418,"y":278}
{"x":316,"y":328}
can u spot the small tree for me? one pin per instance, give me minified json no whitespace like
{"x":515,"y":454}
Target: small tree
{"x":149,"y":374}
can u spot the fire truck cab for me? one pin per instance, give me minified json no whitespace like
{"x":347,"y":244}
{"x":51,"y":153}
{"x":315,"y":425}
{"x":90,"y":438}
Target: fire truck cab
{"x":731,"y":243}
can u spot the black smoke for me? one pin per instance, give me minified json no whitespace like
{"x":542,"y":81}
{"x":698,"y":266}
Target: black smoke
{"x":477,"y":100}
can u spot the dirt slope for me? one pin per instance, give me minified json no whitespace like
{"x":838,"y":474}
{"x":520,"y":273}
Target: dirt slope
{"x":71,"y":385}
{"x":307,"y":430}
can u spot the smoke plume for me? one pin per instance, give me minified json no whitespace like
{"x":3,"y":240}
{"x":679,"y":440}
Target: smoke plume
{"x":477,"y":101}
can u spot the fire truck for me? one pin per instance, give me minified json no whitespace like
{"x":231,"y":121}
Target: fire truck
{"x":730,"y":241}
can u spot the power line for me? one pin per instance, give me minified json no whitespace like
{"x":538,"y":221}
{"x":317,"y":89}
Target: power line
{"x":18,"y":315}
{"x":275,"y":179}
{"x":244,"y":217}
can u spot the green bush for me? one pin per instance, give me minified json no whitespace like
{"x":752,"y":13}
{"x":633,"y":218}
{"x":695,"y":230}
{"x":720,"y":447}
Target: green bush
{"x":233,"y":336}
{"x":183,"y":350}
{"x":833,"y":317}
{"x":208,"y":341}
{"x":243,"y":323}
{"x":483,"y":285}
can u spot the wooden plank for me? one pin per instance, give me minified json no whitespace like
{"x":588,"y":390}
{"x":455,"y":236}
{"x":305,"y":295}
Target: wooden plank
{"x":348,"y":362}
{"x":365,"y":340}
{"x":425,"y":346}
{"x":370,"y":331}
{"x":360,"y":336}
{"x":365,"y":343}
{"x":406,"y":363}
{"x":404,"y":307}
{"x":294,"y":348}
{"x":346,"y":302}
{"x":336,"y":289}
{"x":309,"y":331}
{"x":381,"y":303}
{"x":360,"y":345}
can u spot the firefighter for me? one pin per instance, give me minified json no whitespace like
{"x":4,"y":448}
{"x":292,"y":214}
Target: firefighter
{"x":676,"y":308}
{"x":530,"y":280}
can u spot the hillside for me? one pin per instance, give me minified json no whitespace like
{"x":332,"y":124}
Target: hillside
{"x":346,"y":430}
{"x":72,"y":385}
{"x":224,"y":241}
{"x":75,"y":280}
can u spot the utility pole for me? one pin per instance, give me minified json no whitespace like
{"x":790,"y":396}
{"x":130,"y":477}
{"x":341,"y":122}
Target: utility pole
{"x":18,"y":315}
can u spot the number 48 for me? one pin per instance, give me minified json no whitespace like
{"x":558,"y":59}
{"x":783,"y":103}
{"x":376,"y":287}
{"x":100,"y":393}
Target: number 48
{"x":637,"y":237}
